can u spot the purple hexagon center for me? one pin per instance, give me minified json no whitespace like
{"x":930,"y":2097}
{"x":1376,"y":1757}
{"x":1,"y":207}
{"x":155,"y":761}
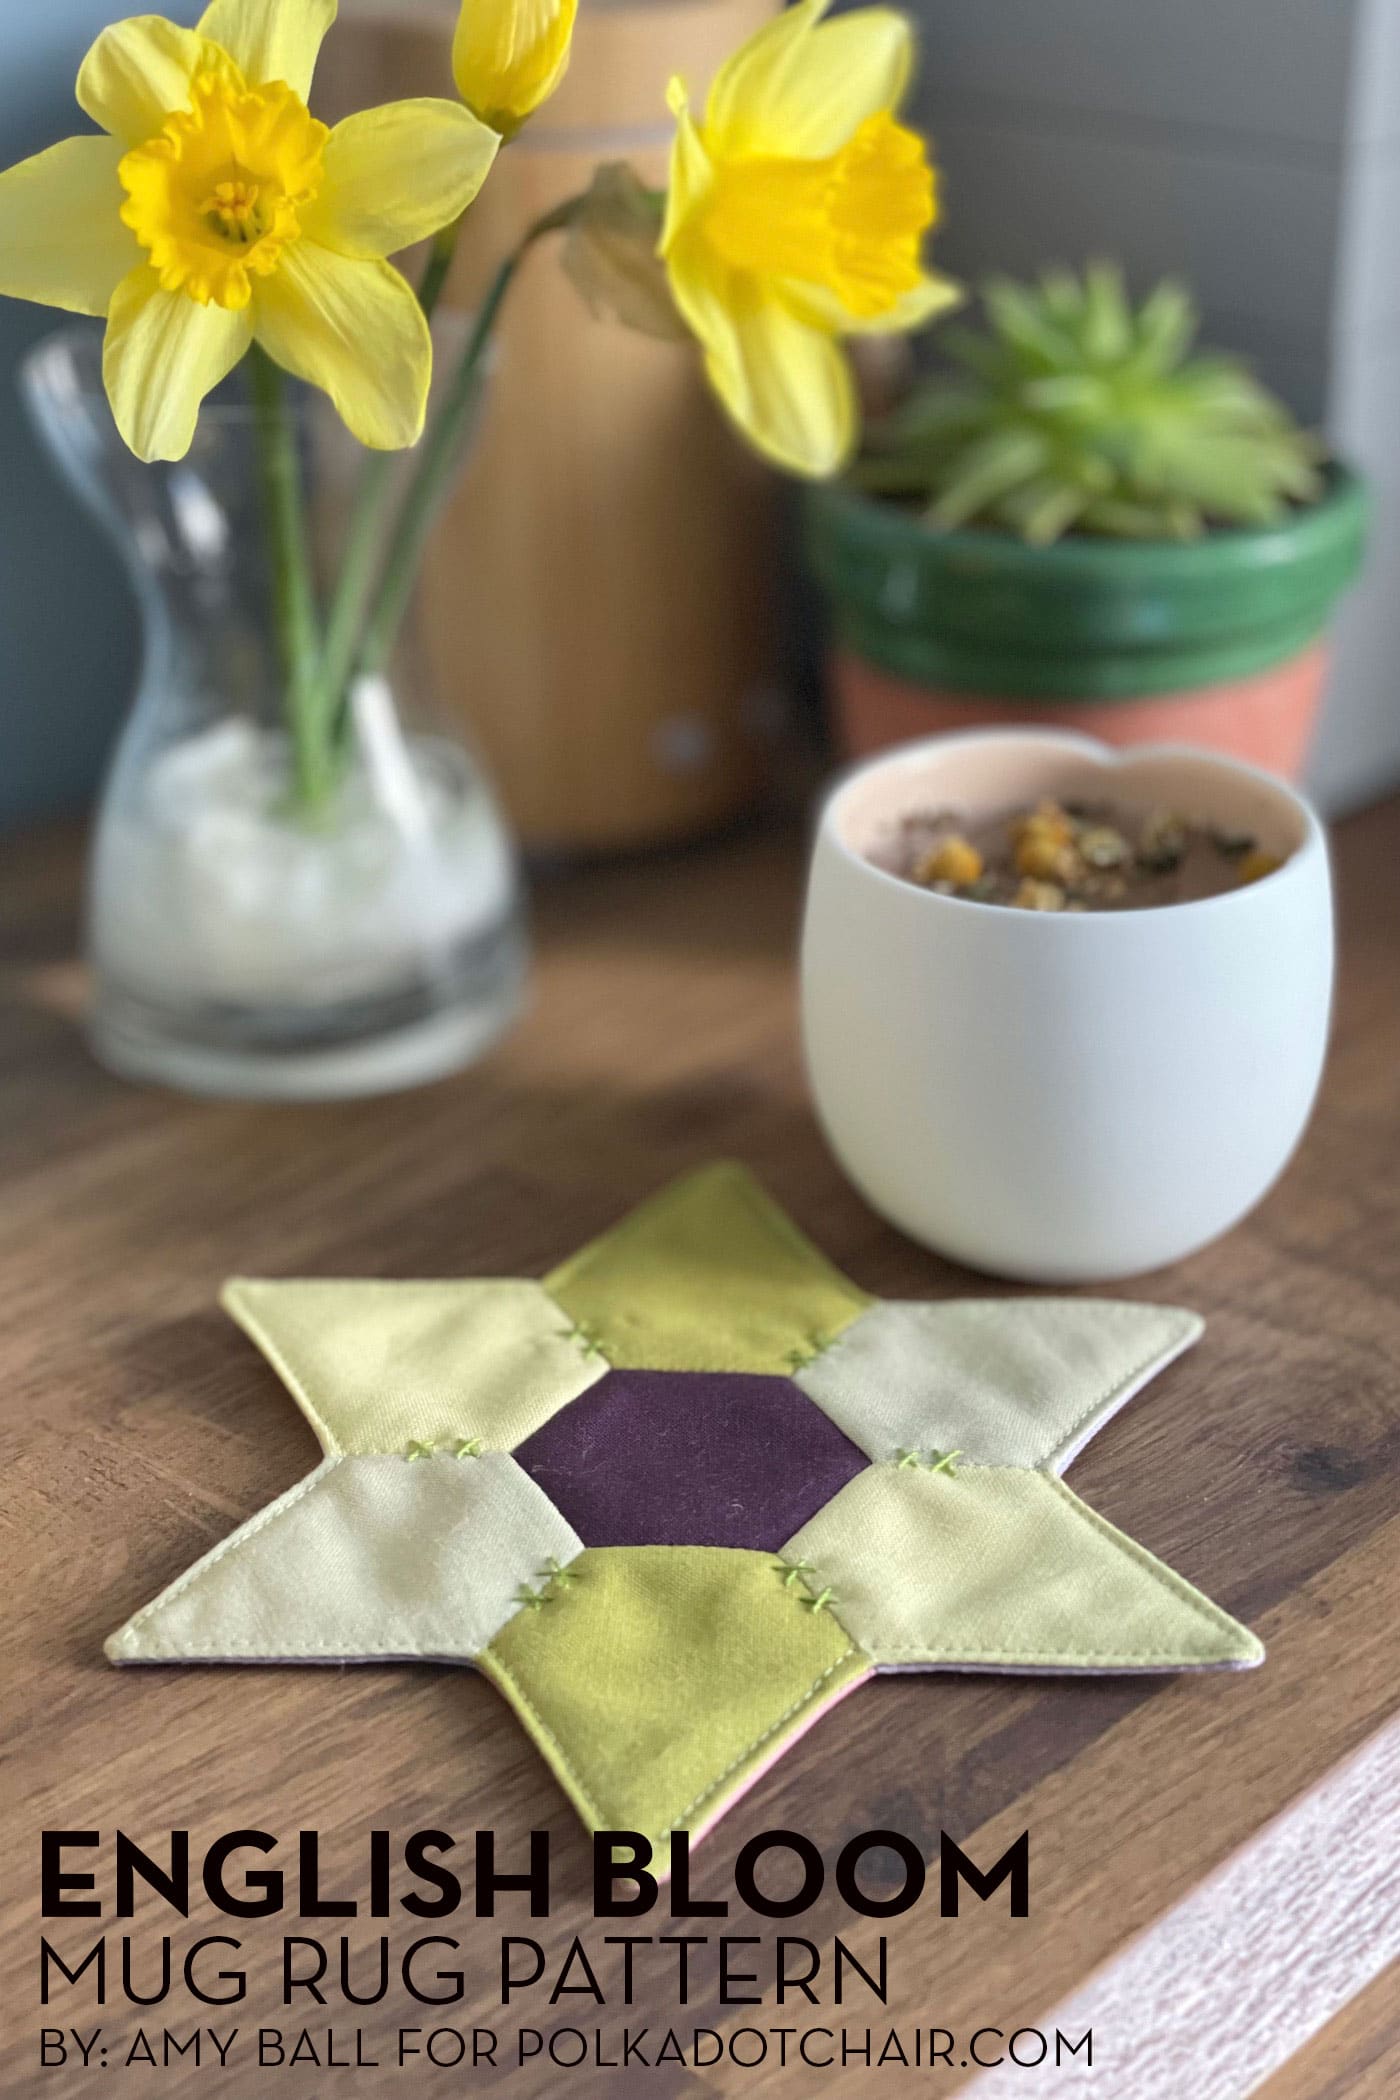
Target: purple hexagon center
{"x":690,"y":1458}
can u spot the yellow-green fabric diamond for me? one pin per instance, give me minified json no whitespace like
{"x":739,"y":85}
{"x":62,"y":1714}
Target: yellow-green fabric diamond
{"x":659,"y":1682}
{"x":373,"y":1364}
{"x":708,"y":1276}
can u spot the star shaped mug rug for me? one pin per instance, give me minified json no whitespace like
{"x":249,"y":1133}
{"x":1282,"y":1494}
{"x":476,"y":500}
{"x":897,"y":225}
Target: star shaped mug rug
{"x":685,"y":1494}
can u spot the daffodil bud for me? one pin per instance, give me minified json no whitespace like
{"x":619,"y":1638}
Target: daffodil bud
{"x":611,"y":254}
{"x":509,"y":56}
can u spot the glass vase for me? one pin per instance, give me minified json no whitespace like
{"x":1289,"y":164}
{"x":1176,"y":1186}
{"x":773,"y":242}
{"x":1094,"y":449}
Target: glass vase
{"x":241,"y":944}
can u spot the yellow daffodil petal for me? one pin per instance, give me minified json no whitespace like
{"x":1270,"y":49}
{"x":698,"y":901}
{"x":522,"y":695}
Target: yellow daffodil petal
{"x":786,"y":384}
{"x":395,"y":175}
{"x":62,"y":242}
{"x":138,"y":72}
{"x":271,"y":39}
{"x":692,"y":176}
{"x":932,"y":295}
{"x":802,"y":86}
{"x":356,"y":330}
{"x":508,"y":56}
{"x":164,"y":353}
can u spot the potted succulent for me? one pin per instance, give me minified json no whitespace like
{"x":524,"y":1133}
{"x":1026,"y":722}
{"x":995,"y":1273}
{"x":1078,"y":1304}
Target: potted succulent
{"x":1084,"y":524}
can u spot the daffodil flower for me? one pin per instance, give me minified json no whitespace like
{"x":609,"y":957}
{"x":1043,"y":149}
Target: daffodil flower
{"x":217,"y":212}
{"x":796,"y":215}
{"x":508,"y":56}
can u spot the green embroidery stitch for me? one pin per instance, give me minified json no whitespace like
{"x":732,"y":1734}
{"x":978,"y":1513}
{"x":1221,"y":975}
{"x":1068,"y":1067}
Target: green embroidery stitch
{"x":585,"y":1334}
{"x":935,"y":1462}
{"x":802,"y":1571}
{"x":466,"y":1447}
{"x":417,"y":1450}
{"x":808,"y":1351}
{"x":552,"y":1576}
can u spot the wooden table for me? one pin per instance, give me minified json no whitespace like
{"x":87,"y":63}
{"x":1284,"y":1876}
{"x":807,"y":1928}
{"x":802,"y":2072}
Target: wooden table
{"x":139,"y":1427}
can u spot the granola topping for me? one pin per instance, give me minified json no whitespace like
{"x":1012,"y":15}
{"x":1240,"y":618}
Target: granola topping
{"x":1072,"y":856}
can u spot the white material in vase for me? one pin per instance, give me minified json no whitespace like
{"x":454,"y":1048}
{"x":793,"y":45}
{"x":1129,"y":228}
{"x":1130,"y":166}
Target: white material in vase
{"x":214,"y":892}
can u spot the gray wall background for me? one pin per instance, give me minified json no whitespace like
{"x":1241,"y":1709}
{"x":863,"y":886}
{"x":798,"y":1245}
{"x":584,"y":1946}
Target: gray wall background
{"x":1253,"y":146}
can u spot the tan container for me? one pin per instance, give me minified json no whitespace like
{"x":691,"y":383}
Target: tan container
{"x":599,"y":596}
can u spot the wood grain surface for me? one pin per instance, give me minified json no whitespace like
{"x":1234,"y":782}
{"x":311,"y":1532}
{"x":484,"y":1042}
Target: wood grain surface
{"x":137,"y":1428}
{"x":1354,"y":2057}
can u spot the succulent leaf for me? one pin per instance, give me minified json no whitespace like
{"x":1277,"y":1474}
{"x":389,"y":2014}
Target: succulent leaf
{"x":1074,"y":411}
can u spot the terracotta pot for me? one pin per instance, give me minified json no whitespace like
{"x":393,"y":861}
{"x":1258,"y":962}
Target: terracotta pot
{"x":1218,"y":642}
{"x":1267,"y":719}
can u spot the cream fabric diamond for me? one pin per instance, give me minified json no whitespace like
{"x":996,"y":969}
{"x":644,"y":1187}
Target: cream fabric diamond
{"x":366,"y":1559}
{"x":1004,"y":1381}
{"x":1001,"y":1568}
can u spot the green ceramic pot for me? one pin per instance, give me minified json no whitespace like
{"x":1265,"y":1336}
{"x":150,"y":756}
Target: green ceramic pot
{"x":1217,"y":641}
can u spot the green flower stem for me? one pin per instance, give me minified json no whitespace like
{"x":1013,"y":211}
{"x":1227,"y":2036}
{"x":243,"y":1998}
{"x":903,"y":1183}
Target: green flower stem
{"x":294,"y":595}
{"x":440,"y":260}
{"x":441,"y":456}
{"x":365,"y":530}
{"x":358,"y":561}
{"x":429,"y":486}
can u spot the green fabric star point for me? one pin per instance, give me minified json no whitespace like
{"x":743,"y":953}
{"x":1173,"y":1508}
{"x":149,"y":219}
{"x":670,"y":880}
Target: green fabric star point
{"x":868,"y":1486}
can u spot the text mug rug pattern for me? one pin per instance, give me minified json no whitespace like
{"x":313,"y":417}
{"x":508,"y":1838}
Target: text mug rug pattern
{"x":685,"y":1494}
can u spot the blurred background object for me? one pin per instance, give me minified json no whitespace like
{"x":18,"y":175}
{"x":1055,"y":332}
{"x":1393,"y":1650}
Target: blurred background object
{"x":1249,"y":147}
{"x":600,"y":598}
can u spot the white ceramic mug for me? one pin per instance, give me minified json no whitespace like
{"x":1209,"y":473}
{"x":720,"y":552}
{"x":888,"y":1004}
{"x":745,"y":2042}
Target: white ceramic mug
{"x":1064,"y":1097}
